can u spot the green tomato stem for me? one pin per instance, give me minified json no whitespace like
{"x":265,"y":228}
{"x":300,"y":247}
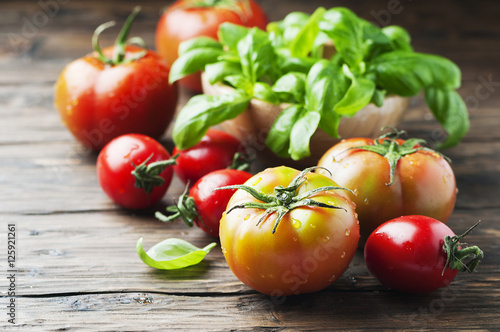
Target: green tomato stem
{"x":120,"y":43}
{"x":147,"y":176}
{"x":284,"y":199}
{"x":466,"y":259}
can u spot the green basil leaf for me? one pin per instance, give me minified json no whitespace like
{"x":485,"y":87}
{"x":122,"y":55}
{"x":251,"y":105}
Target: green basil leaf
{"x":230,"y":34}
{"x":240,"y":82}
{"x":400,"y":38}
{"x":256,"y":54}
{"x":291,"y":87}
{"x":301,"y":133}
{"x":202,"y":112}
{"x":346,"y":30}
{"x":451,"y":112}
{"x":199,"y":42}
{"x":263,"y":91}
{"x":172,"y":254}
{"x":378,"y":97}
{"x":304,"y":42}
{"x":291,"y":64}
{"x":358,"y":95}
{"x":278,"y":138}
{"x":192,"y":62}
{"x":216,"y":72}
{"x":406,"y":74}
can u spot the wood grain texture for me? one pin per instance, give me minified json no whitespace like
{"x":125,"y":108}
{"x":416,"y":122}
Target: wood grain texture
{"x":77,"y":265}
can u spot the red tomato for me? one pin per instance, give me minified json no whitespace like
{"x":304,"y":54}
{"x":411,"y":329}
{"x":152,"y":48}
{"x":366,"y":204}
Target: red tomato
{"x":186,"y":19}
{"x":300,"y":240}
{"x":216,"y":150}
{"x":422,"y":183}
{"x":100,"y":98}
{"x":133,"y":171}
{"x":205,"y":205}
{"x":407,"y":254}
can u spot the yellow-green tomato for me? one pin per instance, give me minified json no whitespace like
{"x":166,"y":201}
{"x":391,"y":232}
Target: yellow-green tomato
{"x":307,"y":249}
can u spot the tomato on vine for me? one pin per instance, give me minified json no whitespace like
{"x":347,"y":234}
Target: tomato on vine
{"x":289,"y":232}
{"x":134,"y":171}
{"x":116,"y":90}
{"x":391,"y":177}
{"x":186,"y":19}
{"x":204,"y":205}
{"x":418,"y":254}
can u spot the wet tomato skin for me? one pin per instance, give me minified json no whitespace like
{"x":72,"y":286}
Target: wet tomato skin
{"x":211,"y":203}
{"x":406,"y":254}
{"x":215,"y":151}
{"x":115,"y":164}
{"x":310,"y":249}
{"x":98,"y":102}
{"x":423,"y":184}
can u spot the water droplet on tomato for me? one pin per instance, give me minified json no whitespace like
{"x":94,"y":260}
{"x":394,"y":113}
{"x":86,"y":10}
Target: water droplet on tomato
{"x":347,"y":232}
{"x":246,"y":217}
{"x":332,"y":278}
{"x":262,"y":276}
{"x":296,"y":223}
{"x":365,"y":201}
{"x":295,"y":239}
{"x":325,"y":238}
{"x":312,"y":225}
{"x":342,"y":255}
{"x":257,"y":181}
{"x":247,"y":267}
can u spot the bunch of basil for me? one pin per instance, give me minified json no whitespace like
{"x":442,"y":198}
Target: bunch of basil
{"x":286,"y":65}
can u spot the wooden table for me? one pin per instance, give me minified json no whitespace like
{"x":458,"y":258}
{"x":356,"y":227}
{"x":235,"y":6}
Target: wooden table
{"x":76,"y":265}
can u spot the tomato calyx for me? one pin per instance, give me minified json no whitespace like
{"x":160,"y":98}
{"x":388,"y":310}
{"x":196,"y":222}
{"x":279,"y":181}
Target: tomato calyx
{"x":147,"y":176}
{"x":223,"y":4}
{"x":465,"y":259}
{"x":185,"y":208}
{"x":241,"y":162}
{"x":120,"y":43}
{"x":284,"y":199}
{"x":387,"y":146}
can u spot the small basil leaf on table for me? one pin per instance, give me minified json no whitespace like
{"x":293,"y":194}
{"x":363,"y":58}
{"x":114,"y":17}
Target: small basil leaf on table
{"x":202,"y":112}
{"x":172,"y":254}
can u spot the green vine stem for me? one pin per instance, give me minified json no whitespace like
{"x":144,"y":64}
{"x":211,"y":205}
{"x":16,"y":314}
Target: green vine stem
{"x":392,"y":151}
{"x":284,"y":199}
{"x":147,"y":176}
{"x":120,"y":43}
{"x":461,"y":259}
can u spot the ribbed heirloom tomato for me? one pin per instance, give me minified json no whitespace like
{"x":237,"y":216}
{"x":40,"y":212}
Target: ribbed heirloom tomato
{"x":391,"y":177}
{"x":186,"y":19}
{"x":118,"y":90}
{"x":289,"y":232}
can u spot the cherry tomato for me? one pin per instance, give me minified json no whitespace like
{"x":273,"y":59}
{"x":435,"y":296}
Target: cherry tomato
{"x":410,"y":254}
{"x":391,"y":177}
{"x":133,"y":170}
{"x":289,"y":232}
{"x":204,"y":205}
{"x":186,"y":19}
{"x":216,"y":150}
{"x":118,"y":90}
